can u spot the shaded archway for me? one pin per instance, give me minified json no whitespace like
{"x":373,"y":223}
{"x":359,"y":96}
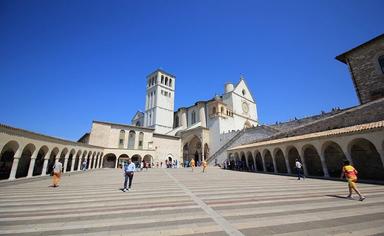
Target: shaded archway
{"x":281,"y":166}
{"x":193,"y":150}
{"x":109,"y":160}
{"x":62,"y":157}
{"x":259,"y":161}
{"x":52,"y":159}
{"x":83,"y":159}
{"x":77,"y":160}
{"x":243,"y":162}
{"x":6,"y":159}
{"x":89,"y":159}
{"x":123,"y":158}
{"x":334,"y":158}
{"x":70,"y":160}
{"x":39,"y":162}
{"x":251,"y":164}
{"x":293,"y":155}
{"x":148,"y":159}
{"x":25,"y":161}
{"x":366,"y":159}
{"x":312,"y":161}
{"x":268,"y":161}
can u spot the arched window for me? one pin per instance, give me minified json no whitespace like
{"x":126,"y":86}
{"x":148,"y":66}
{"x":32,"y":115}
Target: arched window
{"x":214,"y":110}
{"x":193,"y":117}
{"x":162,"y":79}
{"x":170,"y":82}
{"x":381,"y":63}
{"x":131,"y":139}
{"x":141,"y":140}
{"x":222,"y":110}
{"x":166,"y":80}
{"x":121,"y":139}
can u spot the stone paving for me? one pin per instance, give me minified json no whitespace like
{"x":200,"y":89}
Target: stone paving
{"x":181,"y":202}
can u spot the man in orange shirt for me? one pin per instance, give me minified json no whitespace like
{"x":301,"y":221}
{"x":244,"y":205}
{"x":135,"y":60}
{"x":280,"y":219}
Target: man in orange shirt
{"x":204,"y":164}
{"x":350,"y":174}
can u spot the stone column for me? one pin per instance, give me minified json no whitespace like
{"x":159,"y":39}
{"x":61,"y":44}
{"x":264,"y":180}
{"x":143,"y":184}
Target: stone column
{"x":324,"y":165}
{"x":97,"y":161}
{"x":32,"y":163}
{"x":15,"y":164}
{"x":73,"y":162}
{"x":116,"y":162}
{"x":79,"y":164}
{"x":301,"y":157}
{"x":287,"y":164}
{"x":246,"y":161}
{"x":274,"y":163}
{"x":202,"y":115}
{"x":262,"y":159}
{"x":65,"y":162}
{"x":254,"y":163}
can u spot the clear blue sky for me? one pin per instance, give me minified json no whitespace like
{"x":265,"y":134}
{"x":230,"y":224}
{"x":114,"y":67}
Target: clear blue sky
{"x":66,"y":63}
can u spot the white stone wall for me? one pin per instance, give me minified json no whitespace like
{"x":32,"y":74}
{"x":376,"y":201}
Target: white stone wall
{"x":165,"y":147}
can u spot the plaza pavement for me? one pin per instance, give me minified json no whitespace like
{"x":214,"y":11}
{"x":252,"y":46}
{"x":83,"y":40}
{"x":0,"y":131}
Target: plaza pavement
{"x":179,"y":202}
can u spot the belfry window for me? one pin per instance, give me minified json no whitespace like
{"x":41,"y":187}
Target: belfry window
{"x":162,"y":79}
{"x":381,"y":63}
{"x":170,"y":82}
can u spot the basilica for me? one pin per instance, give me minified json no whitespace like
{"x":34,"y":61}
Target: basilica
{"x":221,"y":130}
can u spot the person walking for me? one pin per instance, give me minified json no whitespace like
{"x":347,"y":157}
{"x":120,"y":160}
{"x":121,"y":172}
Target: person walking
{"x":299,"y":169}
{"x":204,"y":164}
{"x":57,"y":169}
{"x":84,"y":165}
{"x":192,"y":164}
{"x":350,"y":174}
{"x":129,"y":169}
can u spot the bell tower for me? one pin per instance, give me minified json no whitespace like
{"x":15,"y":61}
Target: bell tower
{"x":159,"y":102}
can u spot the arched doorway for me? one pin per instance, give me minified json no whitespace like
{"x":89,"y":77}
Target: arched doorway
{"x":366,"y":159}
{"x":259,"y":161}
{"x":52,"y":159}
{"x":334,"y":158}
{"x":122,"y":160}
{"x":148,"y":159}
{"x":109,"y":160}
{"x":293,"y":155}
{"x":268,"y":161}
{"x":136,"y":159}
{"x":195,"y":150}
{"x":25,"y":161}
{"x":39,"y":162}
{"x":312,"y":161}
{"x":281,"y":166}
{"x":6,"y":159}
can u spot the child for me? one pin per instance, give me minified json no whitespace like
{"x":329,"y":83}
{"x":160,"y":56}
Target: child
{"x":350,"y":174}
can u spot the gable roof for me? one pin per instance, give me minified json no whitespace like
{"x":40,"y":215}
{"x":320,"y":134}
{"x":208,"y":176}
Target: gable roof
{"x":342,"y":57}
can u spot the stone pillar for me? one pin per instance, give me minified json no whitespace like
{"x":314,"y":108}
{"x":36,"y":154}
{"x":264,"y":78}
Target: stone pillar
{"x":202,"y":115}
{"x":97,"y":161}
{"x":287,"y":164}
{"x":79,"y":164}
{"x":301,"y":157}
{"x":116,"y":162}
{"x":184,"y":122}
{"x":254,"y":163}
{"x":324,"y":165}
{"x":274,"y":163}
{"x":32,"y":163}
{"x":65,"y":162}
{"x":246,"y":161}
{"x":73,"y":162}
{"x":262,"y":159}
{"x":15,"y":164}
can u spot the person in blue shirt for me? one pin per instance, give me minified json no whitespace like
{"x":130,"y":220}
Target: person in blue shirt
{"x":129,"y":169}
